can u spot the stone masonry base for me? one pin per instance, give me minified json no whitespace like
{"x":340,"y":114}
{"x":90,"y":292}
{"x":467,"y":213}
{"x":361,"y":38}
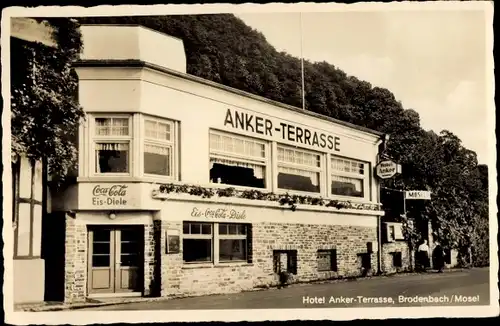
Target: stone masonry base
{"x":165,"y":274}
{"x":179,"y":280}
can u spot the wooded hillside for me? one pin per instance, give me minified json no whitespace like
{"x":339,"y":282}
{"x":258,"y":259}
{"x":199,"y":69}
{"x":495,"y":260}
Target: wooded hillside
{"x":223,"y":49}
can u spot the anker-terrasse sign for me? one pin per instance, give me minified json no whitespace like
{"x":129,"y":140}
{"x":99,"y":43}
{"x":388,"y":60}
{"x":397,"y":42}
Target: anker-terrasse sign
{"x":286,"y":131}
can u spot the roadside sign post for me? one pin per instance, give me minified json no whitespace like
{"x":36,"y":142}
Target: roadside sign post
{"x":413,"y":195}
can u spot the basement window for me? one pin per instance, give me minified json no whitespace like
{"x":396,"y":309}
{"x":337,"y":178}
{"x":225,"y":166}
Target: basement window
{"x":327,"y":260}
{"x":285,"y":261}
{"x":397,"y":260}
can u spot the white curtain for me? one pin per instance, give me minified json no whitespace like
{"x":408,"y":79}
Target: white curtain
{"x":358,"y":184}
{"x":314,"y":176}
{"x":112,"y":147}
{"x":112,"y":126}
{"x":347,"y":166}
{"x":237,"y":146}
{"x":157,"y":130}
{"x":157,"y":149}
{"x":298,"y":157}
{"x":258,"y":170}
{"x":108,"y":147}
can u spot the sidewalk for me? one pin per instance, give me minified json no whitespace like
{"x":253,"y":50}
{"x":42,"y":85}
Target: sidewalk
{"x":60,"y":306}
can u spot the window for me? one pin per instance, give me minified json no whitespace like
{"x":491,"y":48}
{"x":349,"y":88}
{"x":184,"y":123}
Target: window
{"x":327,"y":260}
{"x":158,"y":147}
{"x":199,"y":241}
{"x":298,"y":170}
{"x":285,"y":261}
{"x":397,"y":260}
{"x":232,"y":242}
{"x":236,"y":160}
{"x":394,"y":232}
{"x":349,"y":177}
{"x":365,"y":261}
{"x":112,"y":139}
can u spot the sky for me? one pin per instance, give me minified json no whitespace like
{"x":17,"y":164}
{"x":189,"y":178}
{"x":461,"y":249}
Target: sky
{"x":433,"y":61}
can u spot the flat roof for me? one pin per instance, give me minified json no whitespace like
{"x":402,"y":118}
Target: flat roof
{"x":133,"y":25}
{"x":143,"y":64}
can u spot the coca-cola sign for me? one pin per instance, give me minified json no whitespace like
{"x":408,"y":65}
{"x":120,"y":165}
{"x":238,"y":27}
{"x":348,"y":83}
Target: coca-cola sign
{"x":113,"y":195}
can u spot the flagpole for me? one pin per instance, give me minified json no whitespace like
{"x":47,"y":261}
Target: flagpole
{"x":302,"y":65}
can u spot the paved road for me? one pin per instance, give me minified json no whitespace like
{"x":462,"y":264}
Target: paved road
{"x":447,"y":287}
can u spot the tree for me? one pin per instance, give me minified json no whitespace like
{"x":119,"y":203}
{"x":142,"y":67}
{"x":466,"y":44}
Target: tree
{"x":45,"y":110}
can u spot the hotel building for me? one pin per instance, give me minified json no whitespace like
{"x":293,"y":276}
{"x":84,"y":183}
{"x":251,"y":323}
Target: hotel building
{"x":188,"y":187}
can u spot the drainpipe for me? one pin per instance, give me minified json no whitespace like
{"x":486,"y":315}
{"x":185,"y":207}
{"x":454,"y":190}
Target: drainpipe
{"x":384,"y":139}
{"x":379,"y":243}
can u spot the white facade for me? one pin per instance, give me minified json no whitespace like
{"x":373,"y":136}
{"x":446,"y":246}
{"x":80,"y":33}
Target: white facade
{"x":150,"y":125}
{"x":192,"y":109}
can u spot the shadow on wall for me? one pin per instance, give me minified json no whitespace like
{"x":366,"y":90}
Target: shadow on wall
{"x":53,"y":252}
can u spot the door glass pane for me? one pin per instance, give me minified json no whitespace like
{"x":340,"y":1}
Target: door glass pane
{"x":129,"y":260}
{"x":101,"y":248}
{"x":129,"y":247}
{"x":102,"y":235}
{"x":130,"y":235}
{"x":100,"y":260}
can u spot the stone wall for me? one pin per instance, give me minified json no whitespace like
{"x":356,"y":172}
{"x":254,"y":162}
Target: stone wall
{"x":149,"y":260}
{"x":166,"y":275}
{"x":178,"y":279}
{"x":387,"y":257}
{"x":75,"y":274}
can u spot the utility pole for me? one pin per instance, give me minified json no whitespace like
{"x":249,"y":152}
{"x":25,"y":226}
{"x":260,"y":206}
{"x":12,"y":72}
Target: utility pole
{"x":302,"y":64}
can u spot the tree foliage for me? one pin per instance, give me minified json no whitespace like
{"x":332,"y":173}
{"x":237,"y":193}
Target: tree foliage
{"x":45,"y":110}
{"x":222,"y":48}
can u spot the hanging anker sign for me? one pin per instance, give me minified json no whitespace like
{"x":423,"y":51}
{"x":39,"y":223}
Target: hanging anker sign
{"x":387,"y":169}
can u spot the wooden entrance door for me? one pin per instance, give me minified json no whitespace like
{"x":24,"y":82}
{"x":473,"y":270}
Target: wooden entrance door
{"x":115,"y":259}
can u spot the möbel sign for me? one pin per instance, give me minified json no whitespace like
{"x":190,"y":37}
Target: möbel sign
{"x":386,"y":169}
{"x":113,"y":195}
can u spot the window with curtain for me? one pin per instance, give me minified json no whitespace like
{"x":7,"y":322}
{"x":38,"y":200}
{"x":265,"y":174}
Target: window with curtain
{"x":158,"y":147}
{"x":237,"y":160}
{"x":298,"y":169}
{"x":200,"y":239}
{"x":112,"y":140}
{"x":349,"y":177}
{"x":232,"y":242}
